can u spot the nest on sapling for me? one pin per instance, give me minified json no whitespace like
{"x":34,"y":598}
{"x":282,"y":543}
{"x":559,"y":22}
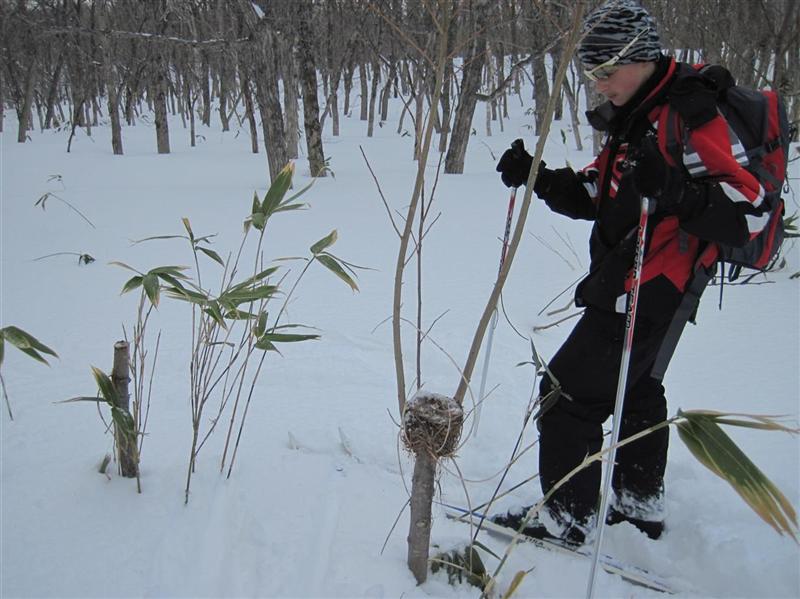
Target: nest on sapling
{"x":432,"y":424}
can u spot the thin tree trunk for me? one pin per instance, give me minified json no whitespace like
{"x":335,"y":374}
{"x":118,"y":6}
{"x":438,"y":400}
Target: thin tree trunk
{"x":364,"y":98}
{"x":160,"y":109}
{"x":462,"y":126}
{"x":290,"y":102}
{"x":308,"y":83}
{"x":24,"y":111}
{"x":270,"y":108}
{"x":376,"y":71}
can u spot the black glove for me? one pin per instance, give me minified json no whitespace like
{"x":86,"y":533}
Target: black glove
{"x":654,"y":178}
{"x":515,"y":165}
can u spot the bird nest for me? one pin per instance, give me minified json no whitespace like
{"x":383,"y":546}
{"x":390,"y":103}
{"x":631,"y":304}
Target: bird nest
{"x":432,"y":424}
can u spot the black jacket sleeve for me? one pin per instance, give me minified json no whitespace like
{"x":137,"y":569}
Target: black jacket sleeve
{"x":709,"y":214}
{"x":564,"y":192}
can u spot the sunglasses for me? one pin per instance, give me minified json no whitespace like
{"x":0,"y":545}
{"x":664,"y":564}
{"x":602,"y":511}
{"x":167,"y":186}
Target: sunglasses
{"x":609,"y":67}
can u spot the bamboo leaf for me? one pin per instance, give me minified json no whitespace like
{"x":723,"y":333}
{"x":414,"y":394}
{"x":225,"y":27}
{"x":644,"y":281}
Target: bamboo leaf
{"x":83,"y":398}
{"x":240,"y":315}
{"x":213,"y":310}
{"x":174,"y":271}
{"x":187,"y":225}
{"x":255,"y":278}
{"x":288,"y":207}
{"x":152,"y":288}
{"x":213,"y":255}
{"x":188,"y":295}
{"x":258,"y":331}
{"x":325,"y":242}
{"x":287,"y":337}
{"x":2,"y":347}
{"x":256,"y":204}
{"x":333,"y":265}
{"x":518,"y":578}
{"x":266,"y":345}
{"x":132,"y":284}
{"x":156,"y":237}
{"x":123,"y":265}
{"x":240,"y":296}
{"x":278,"y":189}
{"x":258,"y":220}
{"x":25,"y":341}
{"x":123,"y":420}
{"x":717,"y":451}
{"x":107,"y":390}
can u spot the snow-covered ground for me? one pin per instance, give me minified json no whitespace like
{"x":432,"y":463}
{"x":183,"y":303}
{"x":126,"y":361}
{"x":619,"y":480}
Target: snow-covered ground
{"x":320,"y":478}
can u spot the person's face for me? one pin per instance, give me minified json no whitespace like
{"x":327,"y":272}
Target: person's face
{"x":621,"y":85}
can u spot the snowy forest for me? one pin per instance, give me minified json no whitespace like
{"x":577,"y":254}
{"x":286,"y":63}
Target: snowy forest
{"x":250,"y":262}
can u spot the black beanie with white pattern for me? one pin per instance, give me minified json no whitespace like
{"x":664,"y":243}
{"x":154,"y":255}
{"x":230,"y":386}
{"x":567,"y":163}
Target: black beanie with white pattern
{"x":612,"y":26}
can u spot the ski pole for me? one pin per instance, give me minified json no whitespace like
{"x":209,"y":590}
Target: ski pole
{"x":621,"y":388}
{"x":493,"y":324}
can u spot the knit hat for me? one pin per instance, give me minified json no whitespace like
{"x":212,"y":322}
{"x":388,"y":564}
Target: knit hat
{"x":611,"y":27}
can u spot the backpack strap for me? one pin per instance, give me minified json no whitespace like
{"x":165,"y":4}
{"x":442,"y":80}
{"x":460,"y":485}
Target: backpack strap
{"x":686,"y":312}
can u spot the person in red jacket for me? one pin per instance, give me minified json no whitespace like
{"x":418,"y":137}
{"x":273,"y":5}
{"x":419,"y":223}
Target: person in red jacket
{"x":703,"y":197}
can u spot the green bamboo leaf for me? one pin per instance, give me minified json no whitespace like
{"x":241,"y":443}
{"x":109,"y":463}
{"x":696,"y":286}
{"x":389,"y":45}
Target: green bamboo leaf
{"x":325,"y":242}
{"x":3,"y":346}
{"x":174,"y":271}
{"x":123,"y":265}
{"x":187,"y":295}
{"x":266,"y":345}
{"x":34,"y":354}
{"x":152,"y":288}
{"x":107,"y":390}
{"x":258,"y":330}
{"x":240,"y":315}
{"x":157,"y":237}
{"x":187,"y":225}
{"x":255,"y":278}
{"x":240,"y":296}
{"x":123,"y":420}
{"x":301,"y":192}
{"x":278,"y":189}
{"x":82,"y":398}
{"x":25,"y":341}
{"x":288,"y":207}
{"x":333,"y":265}
{"x":518,"y":577}
{"x":258,"y":220}
{"x":717,"y":451}
{"x":170,"y":280}
{"x":213,"y":310}
{"x":213,"y":255}
{"x":287,"y":337}
{"x":132,"y":284}
{"x":256,"y":204}
{"x":486,"y":549}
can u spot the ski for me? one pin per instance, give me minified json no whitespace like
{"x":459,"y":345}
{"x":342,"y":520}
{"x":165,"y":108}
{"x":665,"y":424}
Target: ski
{"x":612,"y":565}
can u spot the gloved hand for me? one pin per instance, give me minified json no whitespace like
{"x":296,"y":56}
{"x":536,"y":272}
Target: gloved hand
{"x":515,"y":165}
{"x":654,"y":178}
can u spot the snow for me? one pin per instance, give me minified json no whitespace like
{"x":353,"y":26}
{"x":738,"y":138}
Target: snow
{"x":320,"y":476}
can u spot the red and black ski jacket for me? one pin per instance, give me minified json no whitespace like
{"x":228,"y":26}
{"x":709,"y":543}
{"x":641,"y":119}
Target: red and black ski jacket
{"x":722,"y":202}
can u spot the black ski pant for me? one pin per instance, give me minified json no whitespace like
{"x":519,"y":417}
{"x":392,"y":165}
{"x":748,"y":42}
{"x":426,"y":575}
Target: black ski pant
{"x":587,"y":368}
